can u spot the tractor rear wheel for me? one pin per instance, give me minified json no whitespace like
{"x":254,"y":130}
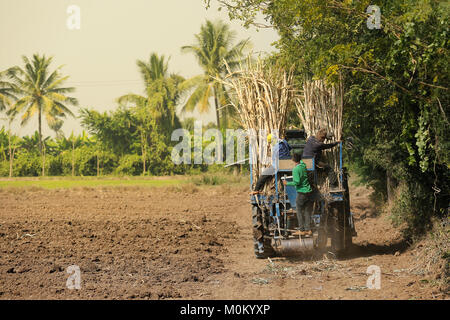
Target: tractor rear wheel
{"x":262,"y":245}
{"x":341,"y":233}
{"x":348,"y":233}
{"x":337,"y":234}
{"x":322,"y":236}
{"x":348,"y":230}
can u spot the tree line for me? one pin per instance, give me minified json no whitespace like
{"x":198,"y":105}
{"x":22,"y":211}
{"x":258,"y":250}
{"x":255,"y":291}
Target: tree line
{"x":132,"y":139}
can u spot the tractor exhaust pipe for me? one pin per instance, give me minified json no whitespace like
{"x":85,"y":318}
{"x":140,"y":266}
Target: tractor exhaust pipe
{"x":290,"y":247}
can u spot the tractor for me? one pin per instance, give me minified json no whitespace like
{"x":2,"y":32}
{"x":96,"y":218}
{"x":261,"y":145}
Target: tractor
{"x":274,"y":216}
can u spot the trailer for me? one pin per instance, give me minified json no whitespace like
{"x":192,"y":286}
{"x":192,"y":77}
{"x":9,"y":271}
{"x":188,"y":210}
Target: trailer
{"x":274,"y":215}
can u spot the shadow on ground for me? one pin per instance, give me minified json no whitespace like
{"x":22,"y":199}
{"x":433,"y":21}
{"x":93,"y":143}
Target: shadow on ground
{"x":367,"y":250}
{"x":355,"y":251}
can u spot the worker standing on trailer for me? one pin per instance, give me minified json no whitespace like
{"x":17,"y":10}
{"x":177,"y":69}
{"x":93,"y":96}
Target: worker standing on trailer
{"x":304,"y":201}
{"x":281,"y":150}
{"x":313,"y":149}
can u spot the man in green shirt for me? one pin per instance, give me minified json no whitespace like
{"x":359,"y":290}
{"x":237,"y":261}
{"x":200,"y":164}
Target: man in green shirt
{"x":304,"y":199}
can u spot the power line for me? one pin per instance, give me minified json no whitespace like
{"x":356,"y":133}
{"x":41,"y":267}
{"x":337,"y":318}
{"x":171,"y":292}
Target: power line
{"x":87,"y":81}
{"x":102,"y":83}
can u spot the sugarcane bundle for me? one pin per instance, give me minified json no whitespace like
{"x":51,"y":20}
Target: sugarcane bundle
{"x":261,"y":95}
{"x":321,"y":107}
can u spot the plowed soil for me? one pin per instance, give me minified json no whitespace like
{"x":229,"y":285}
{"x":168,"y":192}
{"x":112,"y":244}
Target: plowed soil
{"x":166,"y":243}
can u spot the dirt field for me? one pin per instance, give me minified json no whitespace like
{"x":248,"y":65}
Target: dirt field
{"x":166,"y":243}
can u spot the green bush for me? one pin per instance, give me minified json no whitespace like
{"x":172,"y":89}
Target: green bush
{"x":55,"y":166}
{"x":412,"y":208}
{"x":159,"y":159}
{"x":27,"y":165}
{"x":211,"y":180}
{"x":4,"y":168}
{"x":130,"y":164}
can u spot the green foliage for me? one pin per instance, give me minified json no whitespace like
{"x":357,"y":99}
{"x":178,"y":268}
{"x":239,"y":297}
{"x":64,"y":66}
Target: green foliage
{"x":59,"y":156}
{"x":159,"y":158}
{"x":220,"y":177}
{"x":116,"y":130}
{"x":412,"y":208}
{"x":395,"y":78}
{"x":211,"y":180}
{"x":26,"y":165}
{"x":4,"y":143}
{"x":130,"y":165}
{"x":79,"y":154}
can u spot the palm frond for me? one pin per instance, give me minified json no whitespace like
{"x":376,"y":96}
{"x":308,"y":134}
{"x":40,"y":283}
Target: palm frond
{"x":22,"y":103}
{"x":131,"y":98}
{"x":29,"y":113}
{"x":52,"y":78}
{"x":61,"y":90}
{"x":203,"y":104}
{"x":64,"y":110}
{"x":189,"y":84}
{"x":55,"y":83}
{"x":197,"y":96}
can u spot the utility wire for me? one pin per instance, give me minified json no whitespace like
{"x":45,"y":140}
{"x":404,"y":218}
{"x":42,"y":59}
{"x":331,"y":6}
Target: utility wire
{"x":102,"y":83}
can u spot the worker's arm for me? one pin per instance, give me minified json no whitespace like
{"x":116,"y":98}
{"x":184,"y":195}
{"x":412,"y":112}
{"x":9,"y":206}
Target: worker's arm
{"x":324,"y":146}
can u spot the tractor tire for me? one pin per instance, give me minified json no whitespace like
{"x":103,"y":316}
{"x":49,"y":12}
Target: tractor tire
{"x":322,"y":238}
{"x":262,"y":245}
{"x":341,"y":233}
{"x":347,"y":226}
{"x":337,"y":234}
{"x":348,"y":234}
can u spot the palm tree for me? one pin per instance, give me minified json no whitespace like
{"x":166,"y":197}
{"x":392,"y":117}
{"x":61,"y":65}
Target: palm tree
{"x":40,"y":92}
{"x":155,"y":68}
{"x":161,"y":91}
{"x":157,"y":109}
{"x":213,"y":47}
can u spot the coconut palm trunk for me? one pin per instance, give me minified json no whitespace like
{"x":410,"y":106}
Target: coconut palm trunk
{"x":144,"y":152}
{"x":40,"y":142}
{"x":216,"y":103}
{"x":73,"y":158}
{"x":98,"y":165}
{"x":10,"y":166}
{"x":11,"y":153}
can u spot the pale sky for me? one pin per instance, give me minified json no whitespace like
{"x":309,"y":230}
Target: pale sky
{"x":100,"y":58}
